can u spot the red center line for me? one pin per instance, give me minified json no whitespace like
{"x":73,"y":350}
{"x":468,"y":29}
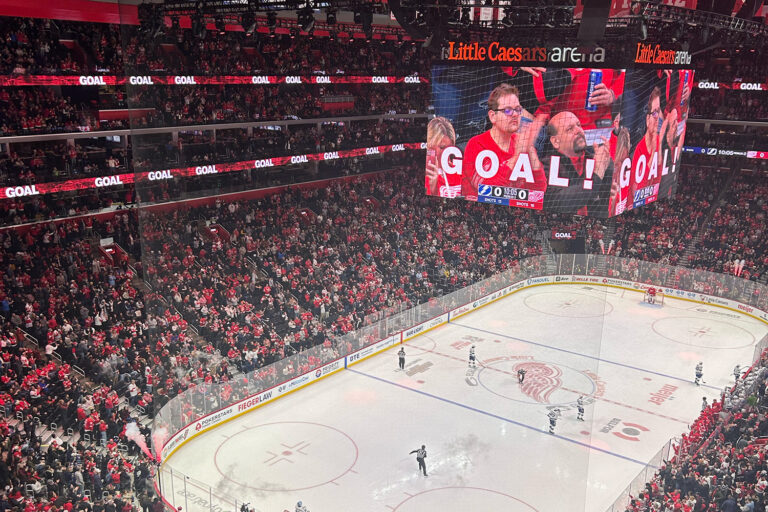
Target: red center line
{"x":607,"y":400}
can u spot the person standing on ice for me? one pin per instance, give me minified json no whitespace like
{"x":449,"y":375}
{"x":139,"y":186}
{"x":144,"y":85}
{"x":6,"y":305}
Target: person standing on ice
{"x":699,"y":372}
{"x":552,"y":420}
{"x":421,"y":454}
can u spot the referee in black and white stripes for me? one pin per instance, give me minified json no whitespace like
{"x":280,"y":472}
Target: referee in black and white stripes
{"x":421,"y":454}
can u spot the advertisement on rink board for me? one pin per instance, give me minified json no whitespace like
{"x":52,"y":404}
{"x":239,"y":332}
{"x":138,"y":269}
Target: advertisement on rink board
{"x":429,"y":324}
{"x":247,"y":404}
{"x":372,"y":349}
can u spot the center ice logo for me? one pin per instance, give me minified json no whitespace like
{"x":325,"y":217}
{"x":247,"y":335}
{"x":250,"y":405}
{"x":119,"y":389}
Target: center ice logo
{"x":541,"y":380}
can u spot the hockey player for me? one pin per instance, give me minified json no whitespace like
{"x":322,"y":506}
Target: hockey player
{"x":552,"y":420}
{"x":699,"y":372}
{"x":421,"y":454}
{"x":737,"y":372}
{"x":401,"y":358}
{"x":520,"y":375}
{"x":301,"y":508}
{"x":580,"y":408}
{"x":704,"y":403}
{"x":472,"y":361}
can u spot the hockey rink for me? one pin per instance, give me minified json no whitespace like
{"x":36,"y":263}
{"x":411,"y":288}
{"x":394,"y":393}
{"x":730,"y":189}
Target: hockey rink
{"x":344,"y":442}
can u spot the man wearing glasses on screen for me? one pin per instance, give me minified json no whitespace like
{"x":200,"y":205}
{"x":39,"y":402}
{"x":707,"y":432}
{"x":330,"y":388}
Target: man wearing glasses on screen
{"x":646,"y":165}
{"x":505,"y":154}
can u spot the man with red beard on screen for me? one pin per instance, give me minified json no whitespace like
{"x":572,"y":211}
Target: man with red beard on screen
{"x":507,"y":158}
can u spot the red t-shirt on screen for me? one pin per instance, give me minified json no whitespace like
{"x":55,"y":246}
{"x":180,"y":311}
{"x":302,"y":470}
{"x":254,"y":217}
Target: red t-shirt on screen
{"x":482,"y":142}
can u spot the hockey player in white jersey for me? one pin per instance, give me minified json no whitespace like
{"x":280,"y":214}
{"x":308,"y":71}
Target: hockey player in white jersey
{"x":301,"y":508}
{"x":699,"y":372}
{"x":553,"y":415}
{"x":580,"y":408}
{"x":472,"y":358}
{"x":737,"y":372}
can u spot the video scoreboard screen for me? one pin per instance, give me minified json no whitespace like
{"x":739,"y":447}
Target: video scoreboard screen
{"x":594,"y":141}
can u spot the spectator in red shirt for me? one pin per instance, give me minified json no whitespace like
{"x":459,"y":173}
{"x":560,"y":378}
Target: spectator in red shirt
{"x":506,"y":155}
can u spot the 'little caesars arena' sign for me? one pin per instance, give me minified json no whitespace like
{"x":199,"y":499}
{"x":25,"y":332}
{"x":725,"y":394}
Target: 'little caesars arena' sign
{"x":495,"y":51}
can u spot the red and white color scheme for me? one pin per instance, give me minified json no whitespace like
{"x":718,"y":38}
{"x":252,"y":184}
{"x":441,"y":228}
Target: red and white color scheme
{"x":146,"y":80}
{"x":654,"y":296}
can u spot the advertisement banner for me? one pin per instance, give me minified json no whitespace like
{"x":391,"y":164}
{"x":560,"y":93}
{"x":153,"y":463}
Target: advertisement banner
{"x":372,"y":349}
{"x":200,"y":170}
{"x":104,"y":80}
{"x":581,"y":141}
{"x":734,"y":86}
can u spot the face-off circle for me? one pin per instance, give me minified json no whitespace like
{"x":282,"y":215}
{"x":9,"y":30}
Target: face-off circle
{"x":286,"y":456}
{"x":420,"y":345}
{"x":703,"y":332}
{"x":568,"y":304}
{"x":463,"y":498}
{"x":545,"y":382}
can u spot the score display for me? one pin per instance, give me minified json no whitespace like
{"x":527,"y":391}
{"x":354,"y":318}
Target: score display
{"x":585,"y":141}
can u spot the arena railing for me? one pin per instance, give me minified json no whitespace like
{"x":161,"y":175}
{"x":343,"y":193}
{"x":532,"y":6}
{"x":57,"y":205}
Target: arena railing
{"x":637,"y":484}
{"x":198,"y":408}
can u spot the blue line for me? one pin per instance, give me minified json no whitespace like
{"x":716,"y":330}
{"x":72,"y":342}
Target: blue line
{"x":582,"y":355}
{"x":486,"y":413}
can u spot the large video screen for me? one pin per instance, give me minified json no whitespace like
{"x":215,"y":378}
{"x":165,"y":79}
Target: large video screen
{"x":584,"y":141}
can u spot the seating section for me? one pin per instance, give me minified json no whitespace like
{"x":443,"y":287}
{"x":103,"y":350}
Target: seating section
{"x":92,"y":340}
